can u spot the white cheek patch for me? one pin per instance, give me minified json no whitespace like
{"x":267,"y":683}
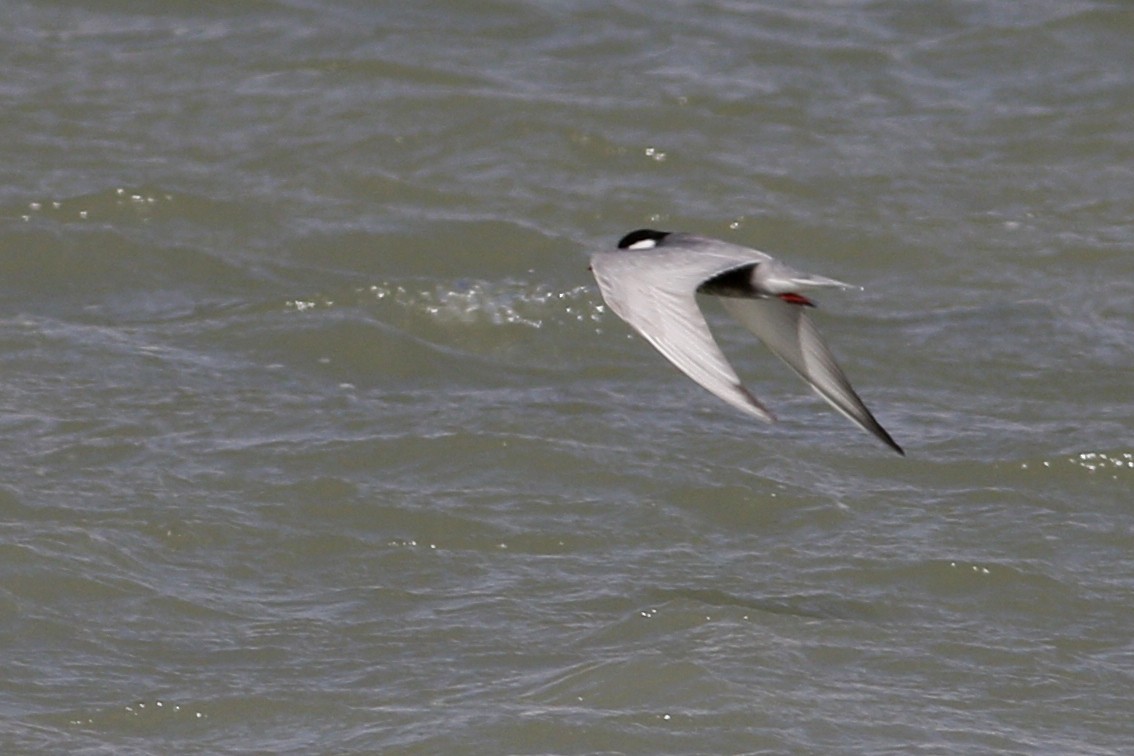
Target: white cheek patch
{"x":644,"y":244}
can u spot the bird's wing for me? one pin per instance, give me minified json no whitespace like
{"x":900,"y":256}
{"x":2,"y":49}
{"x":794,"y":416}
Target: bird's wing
{"x":787,"y":331}
{"x":653,"y":291}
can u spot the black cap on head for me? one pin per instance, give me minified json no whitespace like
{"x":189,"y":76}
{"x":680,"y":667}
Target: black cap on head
{"x":640,"y":239}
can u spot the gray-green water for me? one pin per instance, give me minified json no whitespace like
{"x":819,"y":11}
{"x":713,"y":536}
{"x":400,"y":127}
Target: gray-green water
{"x":317,"y":438}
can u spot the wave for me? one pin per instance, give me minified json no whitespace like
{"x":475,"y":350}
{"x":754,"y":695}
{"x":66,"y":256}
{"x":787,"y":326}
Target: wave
{"x":506,"y":302}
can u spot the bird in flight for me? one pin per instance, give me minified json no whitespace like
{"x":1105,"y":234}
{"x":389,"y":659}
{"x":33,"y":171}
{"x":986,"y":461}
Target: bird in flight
{"x":650,"y":280}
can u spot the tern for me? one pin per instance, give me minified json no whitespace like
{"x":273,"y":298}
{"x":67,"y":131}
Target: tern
{"x":651,"y":280}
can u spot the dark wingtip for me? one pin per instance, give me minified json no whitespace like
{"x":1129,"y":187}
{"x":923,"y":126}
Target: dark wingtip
{"x":641,"y":235}
{"x":885,"y":437}
{"x":769,"y":416}
{"x":880,"y":433}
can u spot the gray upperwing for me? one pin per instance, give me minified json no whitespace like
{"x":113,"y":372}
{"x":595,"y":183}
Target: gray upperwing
{"x":790,"y":335}
{"x":643,"y":290}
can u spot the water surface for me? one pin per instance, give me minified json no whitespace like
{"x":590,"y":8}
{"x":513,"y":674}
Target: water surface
{"x":319,"y":439}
